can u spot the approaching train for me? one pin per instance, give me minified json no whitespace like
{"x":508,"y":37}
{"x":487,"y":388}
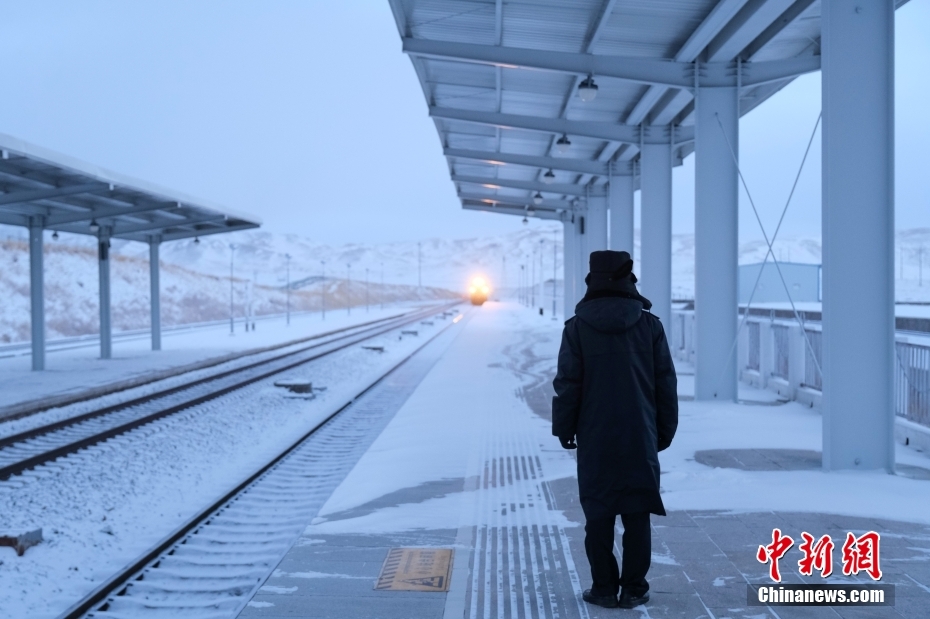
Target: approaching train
{"x":478,"y":291}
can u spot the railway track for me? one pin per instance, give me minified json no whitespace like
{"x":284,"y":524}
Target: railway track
{"x":209,"y":567}
{"x":46,"y":443}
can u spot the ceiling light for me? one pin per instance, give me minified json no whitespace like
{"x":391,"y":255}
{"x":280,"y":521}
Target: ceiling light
{"x":55,"y":235}
{"x":587,"y":89}
{"x":94,"y":226}
{"x":548,"y":177}
{"x":563,"y":144}
{"x":537,"y":199}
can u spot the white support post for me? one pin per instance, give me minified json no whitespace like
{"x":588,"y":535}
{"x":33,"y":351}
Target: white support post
{"x":715,"y":243}
{"x":596,"y":226}
{"x":568,"y":265}
{"x":37,"y":292}
{"x":582,"y":229}
{"x":155,"y":292}
{"x":103,"y":267}
{"x":621,"y":213}
{"x":656,"y":228}
{"x":857,"y":51}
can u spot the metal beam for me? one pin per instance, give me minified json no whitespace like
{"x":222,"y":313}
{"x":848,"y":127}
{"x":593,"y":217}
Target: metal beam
{"x":561,"y":188}
{"x":117,"y":232}
{"x":104,"y":213}
{"x":600,"y":131}
{"x":749,"y":23}
{"x":784,"y":20}
{"x":581,"y":166}
{"x":469,"y":205}
{"x":517,"y":201}
{"x":24,"y":197}
{"x":635,"y":69}
{"x":188,"y":234}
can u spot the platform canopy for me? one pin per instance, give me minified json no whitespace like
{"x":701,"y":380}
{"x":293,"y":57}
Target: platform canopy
{"x":53,"y":191}
{"x":503,"y":81}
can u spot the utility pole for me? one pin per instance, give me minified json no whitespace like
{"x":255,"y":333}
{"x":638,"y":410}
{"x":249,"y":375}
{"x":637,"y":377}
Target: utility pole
{"x":542,"y":278}
{"x":533,"y":279}
{"x":503,"y":272}
{"x":920,"y":266}
{"x":323,"y":288}
{"x":554,"y":257}
{"x":287,"y":303}
{"x":349,"y":289}
{"x":232,"y":253}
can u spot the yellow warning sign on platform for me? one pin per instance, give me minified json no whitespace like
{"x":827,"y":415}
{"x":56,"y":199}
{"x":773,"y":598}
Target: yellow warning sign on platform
{"x":416,"y":569}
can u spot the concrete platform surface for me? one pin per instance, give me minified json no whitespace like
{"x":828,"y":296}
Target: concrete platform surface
{"x":467,"y":462}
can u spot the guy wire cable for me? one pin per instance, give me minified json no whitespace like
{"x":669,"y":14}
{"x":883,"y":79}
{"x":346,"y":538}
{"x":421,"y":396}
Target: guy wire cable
{"x":770,"y":252}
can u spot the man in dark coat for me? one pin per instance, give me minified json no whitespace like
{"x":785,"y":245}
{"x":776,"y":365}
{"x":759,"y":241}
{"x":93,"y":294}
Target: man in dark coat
{"x":616,"y":393}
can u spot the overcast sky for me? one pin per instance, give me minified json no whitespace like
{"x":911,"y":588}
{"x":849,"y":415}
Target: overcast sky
{"x":308,"y":115}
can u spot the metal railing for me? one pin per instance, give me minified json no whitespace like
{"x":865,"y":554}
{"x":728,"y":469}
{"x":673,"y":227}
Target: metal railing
{"x":755,"y":346}
{"x":782,"y":349}
{"x":813,"y":361}
{"x":912,"y":382}
{"x":771,"y":349}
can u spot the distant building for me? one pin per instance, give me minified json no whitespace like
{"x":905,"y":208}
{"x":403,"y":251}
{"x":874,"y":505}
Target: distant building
{"x":803,"y":281}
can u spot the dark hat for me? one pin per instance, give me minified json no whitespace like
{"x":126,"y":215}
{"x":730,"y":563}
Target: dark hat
{"x":615,"y":264}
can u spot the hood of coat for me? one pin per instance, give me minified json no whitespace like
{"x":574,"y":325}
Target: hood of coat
{"x":610,"y":314}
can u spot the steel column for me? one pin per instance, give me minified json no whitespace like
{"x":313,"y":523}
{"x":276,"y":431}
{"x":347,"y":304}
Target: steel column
{"x":103,"y":264}
{"x":581,"y":254}
{"x":568,"y":265}
{"x":858,"y":216}
{"x":716,"y":242}
{"x":621,"y":213}
{"x":595,"y":226}
{"x":656,"y":218}
{"x":37,"y":291}
{"x":155,"y":292}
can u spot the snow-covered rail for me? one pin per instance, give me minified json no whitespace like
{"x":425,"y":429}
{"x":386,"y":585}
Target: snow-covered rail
{"x":210,"y":566}
{"x":46,"y":443}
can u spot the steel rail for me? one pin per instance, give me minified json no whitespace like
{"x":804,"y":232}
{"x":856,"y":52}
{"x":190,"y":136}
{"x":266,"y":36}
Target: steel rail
{"x":64,"y":423}
{"x":206,"y":364}
{"x":69,"y":448}
{"x":153,"y":554}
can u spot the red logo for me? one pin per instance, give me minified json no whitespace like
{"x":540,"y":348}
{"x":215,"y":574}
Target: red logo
{"x":773,"y":552}
{"x":860,"y":554}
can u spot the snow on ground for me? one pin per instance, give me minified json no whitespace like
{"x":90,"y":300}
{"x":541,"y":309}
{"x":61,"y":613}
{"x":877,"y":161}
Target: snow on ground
{"x":102,"y":507}
{"x":75,"y":370}
{"x":479,"y":382}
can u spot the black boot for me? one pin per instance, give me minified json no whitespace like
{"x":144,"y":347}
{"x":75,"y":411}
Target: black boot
{"x":607,"y":601}
{"x":630,"y":600}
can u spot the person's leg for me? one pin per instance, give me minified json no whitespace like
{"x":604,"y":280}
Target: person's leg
{"x":637,"y":552}
{"x":599,"y":546}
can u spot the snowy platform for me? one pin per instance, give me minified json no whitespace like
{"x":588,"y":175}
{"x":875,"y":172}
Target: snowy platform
{"x":467,"y":462}
{"x":76,"y":372}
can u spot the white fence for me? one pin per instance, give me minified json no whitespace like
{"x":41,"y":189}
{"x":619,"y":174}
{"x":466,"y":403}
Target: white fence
{"x":772,"y":354}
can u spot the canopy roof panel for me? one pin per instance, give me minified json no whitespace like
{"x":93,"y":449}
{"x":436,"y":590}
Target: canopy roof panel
{"x":501,"y":77}
{"x":60,"y":193}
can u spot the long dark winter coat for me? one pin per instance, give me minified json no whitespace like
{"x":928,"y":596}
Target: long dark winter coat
{"x":616,"y":392}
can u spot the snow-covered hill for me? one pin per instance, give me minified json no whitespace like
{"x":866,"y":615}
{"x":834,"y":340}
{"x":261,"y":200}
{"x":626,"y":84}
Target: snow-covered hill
{"x":195,"y":276}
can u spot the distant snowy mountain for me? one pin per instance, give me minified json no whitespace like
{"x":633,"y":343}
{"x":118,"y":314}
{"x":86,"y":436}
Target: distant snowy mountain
{"x":195,"y":276}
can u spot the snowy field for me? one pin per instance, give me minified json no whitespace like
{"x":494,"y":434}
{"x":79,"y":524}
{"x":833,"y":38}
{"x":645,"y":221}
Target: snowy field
{"x":104,"y":506}
{"x":75,"y":370}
